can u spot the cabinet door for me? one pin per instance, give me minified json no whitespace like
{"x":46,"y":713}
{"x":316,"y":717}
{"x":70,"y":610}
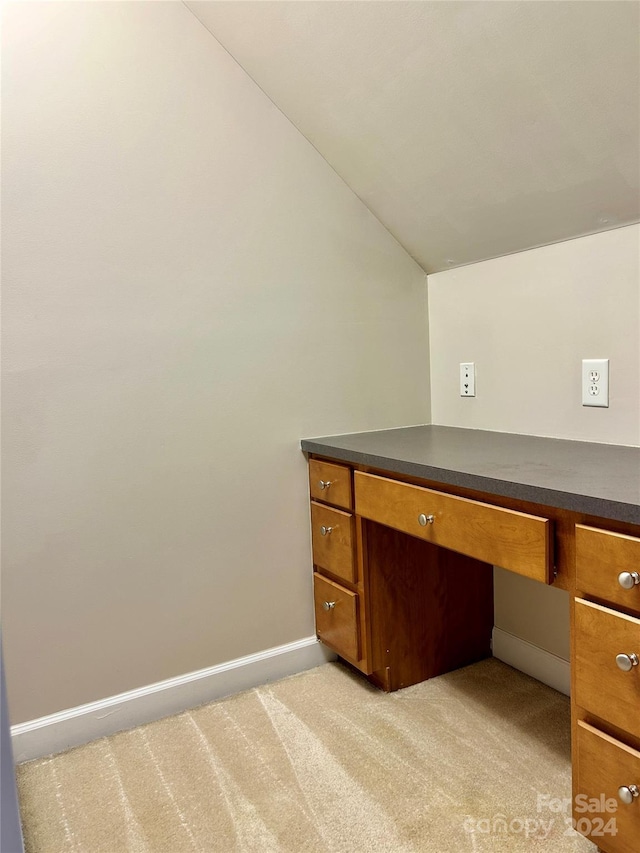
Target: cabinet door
{"x":330,"y":483}
{"x":332,"y":540}
{"x":337,"y":617}
{"x":607,"y":565}
{"x":601,"y":686}
{"x":602,"y":767}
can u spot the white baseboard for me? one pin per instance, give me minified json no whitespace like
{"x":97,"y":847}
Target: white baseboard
{"x":79,"y":725}
{"x":540,"y":664}
{"x":75,"y":726}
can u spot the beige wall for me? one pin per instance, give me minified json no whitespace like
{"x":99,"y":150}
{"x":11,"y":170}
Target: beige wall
{"x":527,"y":320}
{"x":188,"y":290}
{"x":532,"y":611}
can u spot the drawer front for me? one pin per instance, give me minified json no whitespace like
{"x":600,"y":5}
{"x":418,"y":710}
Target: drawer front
{"x":336,"y":617}
{"x":512,"y":540}
{"x":602,"y":766}
{"x":332,"y":539}
{"x":604,"y":561}
{"x":600,"y":685}
{"x":330,"y":483}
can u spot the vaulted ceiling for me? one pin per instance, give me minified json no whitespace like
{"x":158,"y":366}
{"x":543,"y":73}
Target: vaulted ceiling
{"x":470,"y":129}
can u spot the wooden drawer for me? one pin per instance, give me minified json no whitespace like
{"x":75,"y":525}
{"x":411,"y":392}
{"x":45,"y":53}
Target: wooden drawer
{"x":330,"y":483}
{"x":337,"y":617}
{"x":513,"y":540}
{"x":602,"y":765}
{"x":600,"y":686}
{"x":601,"y":557}
{"x":332,"y":539}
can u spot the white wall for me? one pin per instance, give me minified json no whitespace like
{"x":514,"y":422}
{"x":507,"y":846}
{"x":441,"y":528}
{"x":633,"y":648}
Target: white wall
{"x":527,"y":320}
{"x":189,"y":289}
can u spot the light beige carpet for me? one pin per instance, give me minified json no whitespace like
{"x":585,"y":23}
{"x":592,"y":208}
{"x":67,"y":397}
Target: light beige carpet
{"x":321,"y":762}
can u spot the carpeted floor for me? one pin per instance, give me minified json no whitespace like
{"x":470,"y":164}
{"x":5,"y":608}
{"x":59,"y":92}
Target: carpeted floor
{"x":321,"y":762}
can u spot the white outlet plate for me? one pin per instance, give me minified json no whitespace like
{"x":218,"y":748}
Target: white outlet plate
{"x":468,"y":379}
{"x":595,"y":382}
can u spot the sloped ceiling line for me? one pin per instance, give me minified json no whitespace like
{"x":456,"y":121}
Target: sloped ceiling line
{"x":470,"y":129}
{"x":192,"y":7}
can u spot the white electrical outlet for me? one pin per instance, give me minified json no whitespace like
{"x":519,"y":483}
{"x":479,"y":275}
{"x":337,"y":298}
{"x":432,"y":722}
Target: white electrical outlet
{"x":468,"y":379}
{"x":595,"y":382}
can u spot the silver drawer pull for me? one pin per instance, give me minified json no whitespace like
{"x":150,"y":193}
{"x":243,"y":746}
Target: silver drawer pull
{"x":328,"y":605}
{"x":423,"y":519}
{"x":627,"y":662}
{"x":628,"y":793}
{"x":628,"y":580}
{"x":324,"y":484}
{"x":325,"y":531}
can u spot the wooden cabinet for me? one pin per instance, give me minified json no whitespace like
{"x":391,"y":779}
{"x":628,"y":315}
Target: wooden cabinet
{"x":606,"y":686}
{"x":605,"y":772}
{"x":606,"y":663}
{"x":608,"y":566}
{"x":403,"y":590}
{"x":337,"y":617}
{"x":332,"y":539}
{"x":493,"y":534}
{"x":400,"y":609}
{"x":330,"y":483}
{"x":339,"y":591}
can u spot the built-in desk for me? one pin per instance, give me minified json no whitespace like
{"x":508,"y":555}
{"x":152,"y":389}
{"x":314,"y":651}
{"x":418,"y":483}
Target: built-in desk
{"x":406,"y":526}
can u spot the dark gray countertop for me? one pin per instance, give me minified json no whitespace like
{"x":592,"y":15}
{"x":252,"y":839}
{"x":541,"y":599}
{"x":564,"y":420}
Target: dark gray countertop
{"x":595,"y":479}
